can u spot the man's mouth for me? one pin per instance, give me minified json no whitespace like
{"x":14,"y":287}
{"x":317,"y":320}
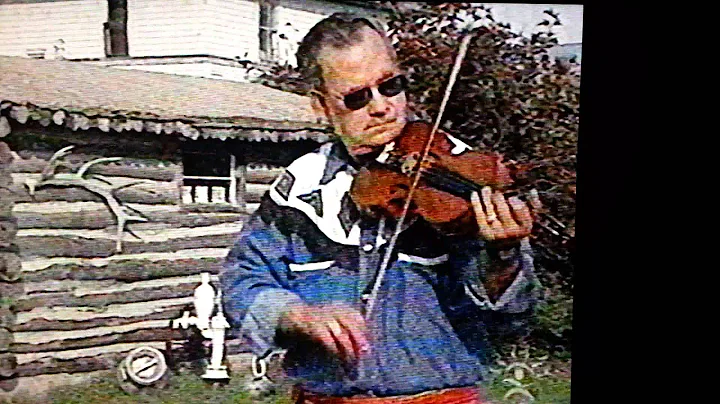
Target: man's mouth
{"x":380,"y":127}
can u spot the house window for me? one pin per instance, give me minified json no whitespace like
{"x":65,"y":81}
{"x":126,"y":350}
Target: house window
{"x":115,"y":29}
{"x":209,"y":178}
{"x":267,"y":30}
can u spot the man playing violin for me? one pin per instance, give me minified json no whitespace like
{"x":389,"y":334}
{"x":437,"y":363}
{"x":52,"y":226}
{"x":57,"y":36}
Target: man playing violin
{"x":299,"y":274}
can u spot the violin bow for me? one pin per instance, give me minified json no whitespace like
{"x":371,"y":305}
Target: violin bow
{"x":372,"y":297}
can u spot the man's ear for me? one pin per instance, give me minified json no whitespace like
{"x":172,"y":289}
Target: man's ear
{"x":319,"y":107}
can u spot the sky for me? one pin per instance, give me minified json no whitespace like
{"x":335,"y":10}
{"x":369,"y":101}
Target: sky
{"x":525,"y":17}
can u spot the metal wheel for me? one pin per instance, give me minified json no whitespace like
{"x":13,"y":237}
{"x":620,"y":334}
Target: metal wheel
{"x":142,"y":367}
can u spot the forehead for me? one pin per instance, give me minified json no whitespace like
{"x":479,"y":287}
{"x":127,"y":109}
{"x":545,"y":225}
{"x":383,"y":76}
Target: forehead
{"x":358,"y":65}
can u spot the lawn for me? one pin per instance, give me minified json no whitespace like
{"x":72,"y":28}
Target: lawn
{"x":189,"y":388}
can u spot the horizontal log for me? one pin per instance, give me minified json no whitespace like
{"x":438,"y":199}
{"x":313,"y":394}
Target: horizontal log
{"x":212,"y":208}
{"x":140,"y":285}
{"x":123,"y":168}
{"x":97,"y":243}
{"x":147,"y":191}
{"x":79,"y":365}
{"x":158,"y":334}
{"x":146,"y":236}
{"x":96,"y":215}
{"x":122,"y":349}
{"x":126,"y":270}
{"x":104,"y":299}
{"x":263,"y":175}
{"x":42,"y":324}
{"x":82,"y":313}
{"x":198,"y":253}
{"x":125,"y":195}
{"x":68,"y":246}
{"x":42,"y":337}
{"x":255,"y":192}
{"x":83,"y":287}
{"x":54,"y":286}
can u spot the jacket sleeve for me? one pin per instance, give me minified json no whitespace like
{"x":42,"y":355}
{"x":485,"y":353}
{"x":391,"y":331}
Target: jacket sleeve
{"x":255,"y":284}
{"x":469,"y":304}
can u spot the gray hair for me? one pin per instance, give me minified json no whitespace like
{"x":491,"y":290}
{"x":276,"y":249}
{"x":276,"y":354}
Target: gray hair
{"x":340,"y":30}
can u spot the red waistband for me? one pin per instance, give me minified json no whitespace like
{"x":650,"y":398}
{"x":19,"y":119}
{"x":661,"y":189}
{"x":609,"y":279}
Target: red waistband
{"x":466,"y":395}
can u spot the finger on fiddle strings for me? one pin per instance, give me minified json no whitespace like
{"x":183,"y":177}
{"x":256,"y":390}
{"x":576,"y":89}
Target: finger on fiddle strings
{"x":503,"y":211}
{"x":488,"y":231}
{"x":522,"y":213}
{"x":480,"y":215}
{"x":486,"y":194}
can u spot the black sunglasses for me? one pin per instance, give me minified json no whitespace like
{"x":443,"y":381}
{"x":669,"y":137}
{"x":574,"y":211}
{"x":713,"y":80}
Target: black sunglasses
{"x":388,"y":88}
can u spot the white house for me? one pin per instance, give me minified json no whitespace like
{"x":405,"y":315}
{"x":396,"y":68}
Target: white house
{"x":205,"y":38}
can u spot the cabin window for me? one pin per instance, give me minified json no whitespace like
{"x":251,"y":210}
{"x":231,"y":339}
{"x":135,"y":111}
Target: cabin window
{"x":115,"y":29}
{"x":209,"y":178}
{"x":268,"y":28}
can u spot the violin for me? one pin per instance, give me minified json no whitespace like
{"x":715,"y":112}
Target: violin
{"x":425,"y":175}
{"x":450,"y":173}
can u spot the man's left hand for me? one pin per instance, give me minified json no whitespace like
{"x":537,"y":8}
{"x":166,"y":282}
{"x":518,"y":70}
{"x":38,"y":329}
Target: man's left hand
{"x":501,"y":221}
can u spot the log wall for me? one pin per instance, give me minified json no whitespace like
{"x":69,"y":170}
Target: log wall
{"x":75,"y":303}
{"x":10,"y":273}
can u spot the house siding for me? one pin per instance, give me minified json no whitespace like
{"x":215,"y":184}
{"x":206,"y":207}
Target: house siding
{"x":232,"y":29}
{"x":207,"y":70}
{"x":296,"y":18}
{"x":39,"y":25}
{"x":165,"y":28}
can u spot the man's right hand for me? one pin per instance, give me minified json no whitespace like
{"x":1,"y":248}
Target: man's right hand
{"x":339,"y":328}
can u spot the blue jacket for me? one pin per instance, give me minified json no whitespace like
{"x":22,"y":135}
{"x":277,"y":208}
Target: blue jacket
{"x":307,"y":242}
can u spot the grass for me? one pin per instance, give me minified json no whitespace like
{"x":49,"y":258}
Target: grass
{"x":549,"y":390}
{"x":182,"y":389}
{"x":190,"y":388}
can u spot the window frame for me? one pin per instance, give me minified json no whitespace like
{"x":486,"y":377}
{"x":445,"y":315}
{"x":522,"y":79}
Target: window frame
{"x":231,"y":198}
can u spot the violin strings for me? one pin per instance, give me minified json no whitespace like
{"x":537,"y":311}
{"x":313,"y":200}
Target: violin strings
{"x":450,"y":182}
{"x":386,"y":259}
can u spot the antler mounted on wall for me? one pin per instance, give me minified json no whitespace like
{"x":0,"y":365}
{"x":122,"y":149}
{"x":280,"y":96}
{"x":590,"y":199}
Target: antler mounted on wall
{"x":95,"y":183}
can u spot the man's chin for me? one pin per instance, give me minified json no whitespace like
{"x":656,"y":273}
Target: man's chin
{"x":385,"y":136}
{"x":376,"y":139}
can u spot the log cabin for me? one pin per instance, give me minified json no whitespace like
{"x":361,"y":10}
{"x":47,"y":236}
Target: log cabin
{"x":118,"y":188}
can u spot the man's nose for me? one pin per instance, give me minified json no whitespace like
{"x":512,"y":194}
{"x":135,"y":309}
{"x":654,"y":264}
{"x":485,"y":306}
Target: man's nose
{"x":379,"y":105}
